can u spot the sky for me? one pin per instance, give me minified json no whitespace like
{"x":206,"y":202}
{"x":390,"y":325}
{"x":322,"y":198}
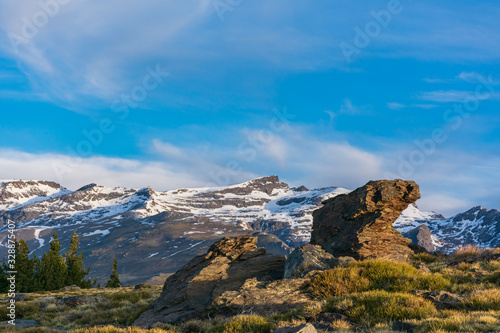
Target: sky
{"x":196,"y":93}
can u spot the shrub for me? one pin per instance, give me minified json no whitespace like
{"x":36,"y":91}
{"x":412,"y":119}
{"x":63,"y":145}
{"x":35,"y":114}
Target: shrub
{"x":374,"y":275}
{"x":483,"y":300}
{"x":245,"y":323}
{"x":425,"y":258}
{"x":374,"y":307}
{"x":338,"y":281}
{"x":459,"y":321}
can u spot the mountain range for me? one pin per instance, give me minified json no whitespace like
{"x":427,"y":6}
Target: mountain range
{"x":154,"y":233}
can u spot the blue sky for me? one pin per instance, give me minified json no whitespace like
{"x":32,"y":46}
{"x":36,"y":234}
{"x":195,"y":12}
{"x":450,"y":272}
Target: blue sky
{"x":323,"y":93}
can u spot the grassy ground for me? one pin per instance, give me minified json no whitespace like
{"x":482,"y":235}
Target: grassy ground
{"x":371,"y":294}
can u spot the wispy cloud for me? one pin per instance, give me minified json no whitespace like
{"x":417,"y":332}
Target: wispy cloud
{"x":399,"y":106}
{"x":454,"y":96}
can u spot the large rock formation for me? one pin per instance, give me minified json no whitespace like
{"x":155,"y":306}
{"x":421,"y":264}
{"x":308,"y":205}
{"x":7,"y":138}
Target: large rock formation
{"x":359,"y":224}
{"x":227,"y":265}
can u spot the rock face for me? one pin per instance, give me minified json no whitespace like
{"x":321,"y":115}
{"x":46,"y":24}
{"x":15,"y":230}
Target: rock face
{"x":359,"y":224}
{"x":305,"y":259}
{"x":423,"y":237}
{"x":263,"y":298}
{"x":227,"y":265}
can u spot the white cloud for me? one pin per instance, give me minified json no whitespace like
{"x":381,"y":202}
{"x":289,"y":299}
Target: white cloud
{"x":444,"y":204}
{"x":73,"y":173}
{"x":455,"y":96}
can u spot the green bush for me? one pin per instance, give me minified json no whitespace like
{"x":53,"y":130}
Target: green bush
{"x":338,"y":281}
{"x":245,"y":324}
{"x":483,"y":300}
{"x":375,"y":307}
{"x":374,"y":275}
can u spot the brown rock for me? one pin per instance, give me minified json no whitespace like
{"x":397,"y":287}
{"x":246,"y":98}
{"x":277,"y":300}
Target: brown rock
{"x":359,"y":224}
{"x":305,"y":328}
{"x":402,"y":326}
{"x":442,"y":299}
{"x":325,"y":320}
{"x":227,"y":265}
{"x":305,"y":259}
{"x":263,"y":298}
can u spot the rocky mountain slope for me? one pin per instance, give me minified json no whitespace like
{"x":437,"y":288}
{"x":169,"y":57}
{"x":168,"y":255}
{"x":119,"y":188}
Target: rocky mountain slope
{"x":148,"y":231}
{"x":156,"y":229}
{"x":476,"y":226}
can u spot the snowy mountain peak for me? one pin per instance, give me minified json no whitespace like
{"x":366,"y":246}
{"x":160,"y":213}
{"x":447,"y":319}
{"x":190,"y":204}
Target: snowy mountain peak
{"x":17,"y":193}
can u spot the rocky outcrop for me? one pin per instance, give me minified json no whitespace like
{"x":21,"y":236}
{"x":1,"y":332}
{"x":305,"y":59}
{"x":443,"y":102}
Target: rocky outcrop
{"x":423,"y":237}
{"x":308,"y":258}
{"x":272,"y":244}
{"x":226,"y":267}
{"x":441,"y":299}
{"x":359,"y":224}
{"x":305,"y":259}
{"x":263,"y":298}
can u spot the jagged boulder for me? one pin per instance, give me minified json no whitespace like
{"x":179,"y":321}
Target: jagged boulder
{"x":423,"y":237}
{"x":305,"y":259}
{"x":272,"y":244}
{"x":263,"y":298}
{"x":227,"y":265}
{"x":359,"y":224}
{"x":308,"y":257}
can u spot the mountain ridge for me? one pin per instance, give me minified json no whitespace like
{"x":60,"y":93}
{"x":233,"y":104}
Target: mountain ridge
{"x":165,"y":229}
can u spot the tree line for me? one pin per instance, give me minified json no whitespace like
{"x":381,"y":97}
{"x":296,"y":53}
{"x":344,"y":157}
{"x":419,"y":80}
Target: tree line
{"x":53,"y":270}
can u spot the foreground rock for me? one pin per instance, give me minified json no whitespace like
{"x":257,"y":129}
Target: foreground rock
{"x":309,"y":258}
{"x":305,"y":328}
{"x":442,"y":299}
{"x":228,"y":264}
{"x":359,"y":224}
{"x":263,"y":298}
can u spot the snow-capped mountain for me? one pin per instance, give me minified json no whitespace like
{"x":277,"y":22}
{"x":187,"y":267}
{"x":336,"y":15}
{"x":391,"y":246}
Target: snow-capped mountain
{"x":477,"y":226}
{"x":163,"y":228}
{"x":152,"y":232}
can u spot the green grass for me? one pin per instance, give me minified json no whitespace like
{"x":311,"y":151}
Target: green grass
{"x":379,"y":306}
{"x":375,"y":275}
{"x":119,"y":306}
{"x":372,"y":294}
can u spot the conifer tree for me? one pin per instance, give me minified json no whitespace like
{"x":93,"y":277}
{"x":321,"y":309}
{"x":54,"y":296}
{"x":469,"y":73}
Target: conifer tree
{"x":114,"y":280}
{"x":76,"y":270}
{"x":24,"y":268}
{"x":52,"y":274}
{"x":4,"y":283}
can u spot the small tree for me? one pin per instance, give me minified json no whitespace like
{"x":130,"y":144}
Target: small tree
{"x":114,"y":280}
{"x":25,"y":268}
{"x":52,"y":272}
{"x":76,"y":270}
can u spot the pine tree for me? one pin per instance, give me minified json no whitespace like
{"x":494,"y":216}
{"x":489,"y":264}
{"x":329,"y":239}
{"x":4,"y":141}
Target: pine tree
{"x":24,"y":268}
{"x":38,"y":284}
{"x":52,"y":273}
{"x":4,"y":283}
{"x":114,"y":280}
{"x":76,"y":270}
